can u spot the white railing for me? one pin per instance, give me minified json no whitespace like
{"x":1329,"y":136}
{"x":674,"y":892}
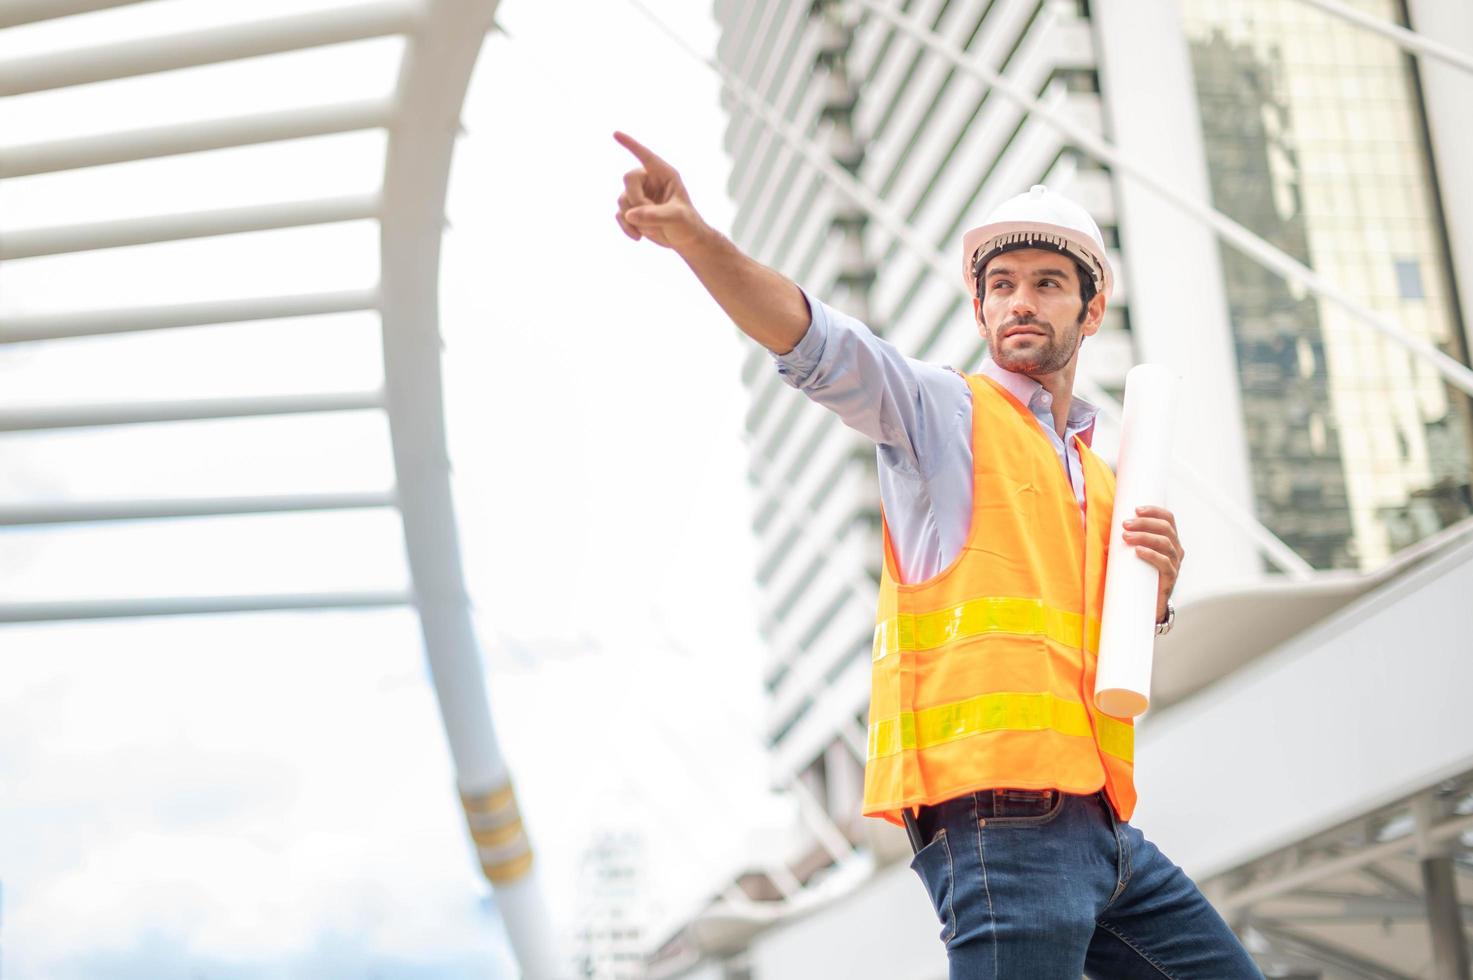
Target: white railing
{"x":1409,"y":41}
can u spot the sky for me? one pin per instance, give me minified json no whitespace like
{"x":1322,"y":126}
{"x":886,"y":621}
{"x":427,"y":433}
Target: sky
{"x":272,"y":795}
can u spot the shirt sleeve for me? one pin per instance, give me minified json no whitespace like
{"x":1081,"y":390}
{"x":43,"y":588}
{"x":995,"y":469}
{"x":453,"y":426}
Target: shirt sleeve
{"x":904,"y":405}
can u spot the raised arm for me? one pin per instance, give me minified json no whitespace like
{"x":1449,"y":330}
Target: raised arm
{"x":766,"y":305}
{"x":905,"y":406}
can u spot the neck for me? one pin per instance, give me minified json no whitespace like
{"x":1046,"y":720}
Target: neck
{"x":1060,"y":386}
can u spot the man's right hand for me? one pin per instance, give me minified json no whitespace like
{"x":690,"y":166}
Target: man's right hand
{"x":762,"y":302}
{"x":655,"y":204}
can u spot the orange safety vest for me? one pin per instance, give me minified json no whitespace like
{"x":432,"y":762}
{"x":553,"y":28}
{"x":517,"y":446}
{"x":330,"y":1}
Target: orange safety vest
{"x":984,"y":674}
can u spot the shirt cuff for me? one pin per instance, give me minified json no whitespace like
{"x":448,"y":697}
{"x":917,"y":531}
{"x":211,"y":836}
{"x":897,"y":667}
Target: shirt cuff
{"x":797,"y":364}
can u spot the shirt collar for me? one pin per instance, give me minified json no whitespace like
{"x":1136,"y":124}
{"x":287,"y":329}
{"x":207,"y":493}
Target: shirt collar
{"x":1081,"y":412}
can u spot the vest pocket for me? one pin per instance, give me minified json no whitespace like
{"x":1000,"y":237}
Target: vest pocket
{"x":932,"y":864}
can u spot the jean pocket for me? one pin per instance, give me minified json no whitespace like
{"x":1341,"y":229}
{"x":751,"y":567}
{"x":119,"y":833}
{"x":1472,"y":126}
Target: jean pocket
{"x":932,"y":864}
{"x":1023,"y":808}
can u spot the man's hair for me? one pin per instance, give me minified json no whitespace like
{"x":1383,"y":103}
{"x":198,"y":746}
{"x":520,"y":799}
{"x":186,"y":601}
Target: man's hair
{"x":1087,"y":288}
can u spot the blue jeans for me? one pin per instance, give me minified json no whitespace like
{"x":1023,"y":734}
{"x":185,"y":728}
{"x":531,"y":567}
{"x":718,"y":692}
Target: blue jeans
{"x":1043,"y":885}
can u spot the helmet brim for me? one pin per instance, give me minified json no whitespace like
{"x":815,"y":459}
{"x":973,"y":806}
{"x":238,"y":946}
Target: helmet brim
{"x":1018,"y":234}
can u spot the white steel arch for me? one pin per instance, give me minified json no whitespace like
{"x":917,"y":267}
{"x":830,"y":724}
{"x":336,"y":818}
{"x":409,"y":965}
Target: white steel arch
{"x":442,"y":41}
{"x":432,"y":84}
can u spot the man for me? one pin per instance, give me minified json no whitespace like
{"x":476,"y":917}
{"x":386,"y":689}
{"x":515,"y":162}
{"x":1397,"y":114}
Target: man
{"x":984,"y":740}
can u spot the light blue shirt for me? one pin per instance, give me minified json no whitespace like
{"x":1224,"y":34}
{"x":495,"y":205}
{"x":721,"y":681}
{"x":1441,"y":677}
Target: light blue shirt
{"x":920,"y":418}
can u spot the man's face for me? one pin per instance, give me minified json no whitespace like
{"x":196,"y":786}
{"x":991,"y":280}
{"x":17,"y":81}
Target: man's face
{"x":1031,"y":313}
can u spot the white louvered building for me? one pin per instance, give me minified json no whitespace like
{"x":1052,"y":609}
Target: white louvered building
{"x":1317,"y":678}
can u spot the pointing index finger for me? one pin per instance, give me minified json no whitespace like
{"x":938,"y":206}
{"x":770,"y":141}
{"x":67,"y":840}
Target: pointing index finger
{"x":648,"y":157}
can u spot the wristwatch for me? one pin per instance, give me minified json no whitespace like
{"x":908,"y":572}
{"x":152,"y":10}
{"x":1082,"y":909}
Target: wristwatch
{"x":1164,"y":627}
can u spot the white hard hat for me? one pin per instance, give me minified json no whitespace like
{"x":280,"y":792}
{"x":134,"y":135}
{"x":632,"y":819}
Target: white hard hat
{"x":1040,"y":219}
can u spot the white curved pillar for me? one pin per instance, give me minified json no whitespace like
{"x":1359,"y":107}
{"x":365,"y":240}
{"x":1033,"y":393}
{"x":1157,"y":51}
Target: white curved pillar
{"x":1445,"y":93}
{"x":1181,"y":320}
{"x":438,"y":61}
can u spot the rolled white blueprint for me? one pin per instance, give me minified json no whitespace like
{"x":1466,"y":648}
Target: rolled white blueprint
{"x":1128,"y":621}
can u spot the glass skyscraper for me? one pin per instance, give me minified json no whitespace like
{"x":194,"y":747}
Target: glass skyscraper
{"x":1315,"y":139}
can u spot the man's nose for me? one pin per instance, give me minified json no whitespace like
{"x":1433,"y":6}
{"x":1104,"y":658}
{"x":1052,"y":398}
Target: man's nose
{"x":1022,"y":302}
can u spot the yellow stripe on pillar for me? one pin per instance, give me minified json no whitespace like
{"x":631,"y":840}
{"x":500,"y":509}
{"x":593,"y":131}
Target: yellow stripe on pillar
{"x":497,"y":799}
{"x":496,"y":828}
{"x":509,"y":870}
{"x":497,"y":836}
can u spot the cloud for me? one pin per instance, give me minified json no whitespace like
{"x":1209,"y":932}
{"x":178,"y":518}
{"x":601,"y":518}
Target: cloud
{"x":230,"y":791}
{"x":156,"y":956}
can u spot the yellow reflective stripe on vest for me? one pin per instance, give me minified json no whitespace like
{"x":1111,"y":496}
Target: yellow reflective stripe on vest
{"x":1005,"y":711}
{"x":1116,"y":738}
{"x":990,"y":614}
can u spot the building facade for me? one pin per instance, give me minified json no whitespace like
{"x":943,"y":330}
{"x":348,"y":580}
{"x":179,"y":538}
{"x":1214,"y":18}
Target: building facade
{"x":1326,"y":140}
{"x":608,"y":934}
{"x":940,"y":149}
{"x":1316,"y":138}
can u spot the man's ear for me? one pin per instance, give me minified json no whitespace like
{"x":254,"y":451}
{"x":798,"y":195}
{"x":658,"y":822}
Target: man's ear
{"x":1094,"y":315}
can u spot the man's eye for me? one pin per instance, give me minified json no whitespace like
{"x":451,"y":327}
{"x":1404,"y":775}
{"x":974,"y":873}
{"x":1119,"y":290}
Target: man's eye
{"x":1000,"y":284}
{"x":1048,"y":282}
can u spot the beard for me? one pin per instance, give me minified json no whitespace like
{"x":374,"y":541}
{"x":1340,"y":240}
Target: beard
{"x":1047,"y":354}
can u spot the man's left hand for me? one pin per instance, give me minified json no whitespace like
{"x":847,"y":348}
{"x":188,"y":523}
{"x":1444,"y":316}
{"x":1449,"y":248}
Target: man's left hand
{"x":1153,"y":533}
